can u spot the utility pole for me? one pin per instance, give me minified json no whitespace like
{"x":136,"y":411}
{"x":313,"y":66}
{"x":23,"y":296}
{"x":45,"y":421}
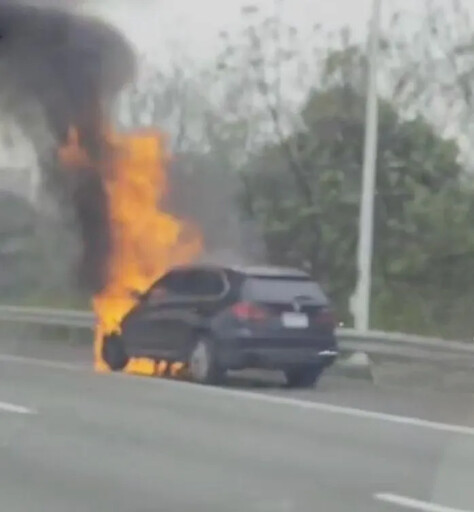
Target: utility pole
{"x":361,"y":300}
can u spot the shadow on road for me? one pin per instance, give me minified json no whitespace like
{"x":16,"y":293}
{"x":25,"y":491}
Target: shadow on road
{"x":253,"y":379}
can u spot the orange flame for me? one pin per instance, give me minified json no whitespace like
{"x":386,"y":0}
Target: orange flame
{"x":146,"y":241}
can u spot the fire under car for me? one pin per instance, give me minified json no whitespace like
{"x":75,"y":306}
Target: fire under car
{"x":218,"y":318}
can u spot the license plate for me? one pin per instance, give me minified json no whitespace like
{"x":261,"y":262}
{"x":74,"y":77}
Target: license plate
{"x":295,"y":320}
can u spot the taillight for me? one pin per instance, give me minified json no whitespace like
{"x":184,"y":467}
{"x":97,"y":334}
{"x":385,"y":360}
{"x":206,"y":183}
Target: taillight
{"x":248,"y":311}
{"x":325,"y":317}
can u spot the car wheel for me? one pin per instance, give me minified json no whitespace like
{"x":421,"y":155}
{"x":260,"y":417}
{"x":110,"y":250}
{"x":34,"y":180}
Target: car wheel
{"x":303,"y":377}
{"x":203,"y":367}
{"x":113,"y":353}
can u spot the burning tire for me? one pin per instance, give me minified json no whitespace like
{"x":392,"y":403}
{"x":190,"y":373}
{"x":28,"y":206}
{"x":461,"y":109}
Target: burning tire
{"x":303,"y":377}
{"x":114,"y":354}
{"x":203,"y":366}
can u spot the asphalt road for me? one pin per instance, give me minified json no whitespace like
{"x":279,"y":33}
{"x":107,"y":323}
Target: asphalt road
{"x":74,"y":441}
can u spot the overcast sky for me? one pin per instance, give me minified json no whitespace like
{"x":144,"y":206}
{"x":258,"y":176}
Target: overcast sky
{"x":193,"y":25}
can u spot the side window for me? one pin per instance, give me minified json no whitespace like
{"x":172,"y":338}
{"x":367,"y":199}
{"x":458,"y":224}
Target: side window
{"x":208,"y":283}
{"x":187,"y":283}
{"x":171,"y":283}
{"x":201,"y":283}
{"x":176,"y":282}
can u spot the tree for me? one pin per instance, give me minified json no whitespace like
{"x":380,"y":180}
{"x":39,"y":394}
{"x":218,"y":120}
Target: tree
{"x":17,"y":273}
{"x":287,"y":108}
{"x":302,"y":181}
{"x":309,"y":217}
{"x":431,"y":68}
{"x":37,"y":255}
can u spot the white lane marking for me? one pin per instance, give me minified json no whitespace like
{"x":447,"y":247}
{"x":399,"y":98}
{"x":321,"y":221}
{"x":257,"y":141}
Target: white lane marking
{"x":337,"y":409}
{"x":261,"y":397}
{"x":18,"y":409}
{"x":413,"y":504}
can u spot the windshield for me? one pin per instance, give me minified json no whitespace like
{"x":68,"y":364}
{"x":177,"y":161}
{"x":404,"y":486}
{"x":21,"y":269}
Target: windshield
{"x":266,"y":289}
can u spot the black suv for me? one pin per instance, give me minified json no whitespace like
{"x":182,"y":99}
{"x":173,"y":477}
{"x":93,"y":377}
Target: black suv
{"x":218,"y":318}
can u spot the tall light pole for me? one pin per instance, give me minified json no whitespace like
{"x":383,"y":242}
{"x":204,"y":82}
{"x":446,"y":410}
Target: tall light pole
{"x":361,"y":300}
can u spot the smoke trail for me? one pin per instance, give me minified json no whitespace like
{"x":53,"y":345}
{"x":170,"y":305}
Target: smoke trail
{"x":72,"y":67}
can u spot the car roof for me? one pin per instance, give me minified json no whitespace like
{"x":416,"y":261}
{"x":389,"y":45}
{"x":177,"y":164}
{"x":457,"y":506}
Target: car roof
{"x":250,"y":271}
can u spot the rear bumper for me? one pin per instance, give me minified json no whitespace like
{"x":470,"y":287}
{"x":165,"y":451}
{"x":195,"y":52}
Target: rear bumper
{"x":274,"y":358}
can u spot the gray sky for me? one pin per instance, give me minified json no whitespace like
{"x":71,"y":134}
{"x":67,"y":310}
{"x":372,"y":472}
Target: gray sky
{"x":160,"y":28}
{"x":193,"y":25}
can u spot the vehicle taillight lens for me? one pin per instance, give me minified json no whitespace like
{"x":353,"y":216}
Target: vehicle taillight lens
{"x":248,"y":311}
{"x":325,"y":317}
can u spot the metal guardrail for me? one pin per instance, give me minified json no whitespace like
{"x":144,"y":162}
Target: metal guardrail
{"x":40,"y":316}
{"x":376,"y":344}
{"x":379,"y":344}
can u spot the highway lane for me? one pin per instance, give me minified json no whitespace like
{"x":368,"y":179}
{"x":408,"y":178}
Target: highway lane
{"x":435,"y":405}
{"x":117,"y":443}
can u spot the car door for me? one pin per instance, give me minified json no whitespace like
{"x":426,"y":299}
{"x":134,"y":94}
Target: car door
{"x":170,"y":313}
{"x":165,"y":321}
{"x":202,"y":290}
{"x":145,"y":329}
{"x":176,"y":315}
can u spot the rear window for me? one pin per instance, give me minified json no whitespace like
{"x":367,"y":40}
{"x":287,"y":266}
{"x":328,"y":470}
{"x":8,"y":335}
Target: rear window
{"x":266,"y":289}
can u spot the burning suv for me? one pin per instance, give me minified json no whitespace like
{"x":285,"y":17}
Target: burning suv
{"x":218,"y":318}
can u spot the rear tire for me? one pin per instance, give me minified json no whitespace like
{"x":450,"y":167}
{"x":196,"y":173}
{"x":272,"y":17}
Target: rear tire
{"x":203,"y":365}
{"x":303,"y":377}
{"x":113,"y":353}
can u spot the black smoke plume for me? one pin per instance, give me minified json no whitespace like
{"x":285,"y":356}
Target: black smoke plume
{"x":72,"y":67}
